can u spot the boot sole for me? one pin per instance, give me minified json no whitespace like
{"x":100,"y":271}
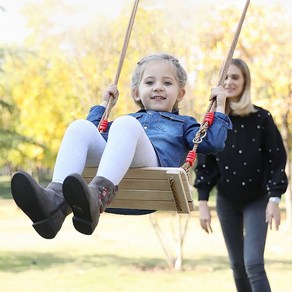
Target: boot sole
{"x":77,"y":197}
{"x":24,"y":192}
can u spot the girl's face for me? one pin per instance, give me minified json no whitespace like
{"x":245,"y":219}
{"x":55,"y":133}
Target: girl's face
{"x":158,"y":89}
{"x":234,"y":83}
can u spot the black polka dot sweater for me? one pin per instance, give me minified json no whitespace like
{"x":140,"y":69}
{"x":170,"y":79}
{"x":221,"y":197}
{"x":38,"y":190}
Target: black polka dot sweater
{"x":251,"y":165}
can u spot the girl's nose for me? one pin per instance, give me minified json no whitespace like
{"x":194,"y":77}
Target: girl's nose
{"x":158,"y":87}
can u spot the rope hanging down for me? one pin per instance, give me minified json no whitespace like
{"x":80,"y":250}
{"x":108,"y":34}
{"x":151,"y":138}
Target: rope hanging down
{"x":171,"y":184}
{"x":209,"y":117}
{"x":104,"y":121}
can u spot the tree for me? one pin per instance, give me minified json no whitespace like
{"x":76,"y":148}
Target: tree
{"x":9,"y":137}
{"x":172,"y":247}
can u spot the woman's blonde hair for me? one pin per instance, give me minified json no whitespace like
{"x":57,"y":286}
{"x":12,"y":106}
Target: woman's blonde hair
{"x":181,"y":76}
{"x":244,"y":106}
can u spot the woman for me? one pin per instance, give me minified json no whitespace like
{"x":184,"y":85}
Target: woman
{"x":250,"y":178}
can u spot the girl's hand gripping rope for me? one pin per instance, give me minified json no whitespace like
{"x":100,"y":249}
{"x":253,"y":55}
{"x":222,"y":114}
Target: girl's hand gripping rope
{"x":110,"y":94}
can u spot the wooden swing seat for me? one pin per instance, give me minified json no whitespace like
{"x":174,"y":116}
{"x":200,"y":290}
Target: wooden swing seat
{"x":152,"y":188}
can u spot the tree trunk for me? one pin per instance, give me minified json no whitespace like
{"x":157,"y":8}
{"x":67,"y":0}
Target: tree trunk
{"x":174,"y":258}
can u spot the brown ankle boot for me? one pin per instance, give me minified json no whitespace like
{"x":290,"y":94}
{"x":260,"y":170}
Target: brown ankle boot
{"x":87,"y":201}
{"x":46,"y":207}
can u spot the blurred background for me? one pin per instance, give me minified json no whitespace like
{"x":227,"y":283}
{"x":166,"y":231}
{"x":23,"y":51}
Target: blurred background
{"x":58,"y":56}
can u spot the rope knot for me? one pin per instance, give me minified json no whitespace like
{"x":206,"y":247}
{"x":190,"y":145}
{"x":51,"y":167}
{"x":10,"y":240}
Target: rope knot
{"x":103,"y":126}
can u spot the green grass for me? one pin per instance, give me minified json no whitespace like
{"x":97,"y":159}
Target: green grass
{"x":5,"y":192}
{"x":124,"y":254}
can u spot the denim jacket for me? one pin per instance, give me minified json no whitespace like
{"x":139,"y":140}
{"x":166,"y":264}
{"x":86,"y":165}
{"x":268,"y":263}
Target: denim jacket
{"x":172,"y":134}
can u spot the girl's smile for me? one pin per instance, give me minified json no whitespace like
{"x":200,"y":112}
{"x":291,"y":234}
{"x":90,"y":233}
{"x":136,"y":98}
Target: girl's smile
{"x":159,"y":89}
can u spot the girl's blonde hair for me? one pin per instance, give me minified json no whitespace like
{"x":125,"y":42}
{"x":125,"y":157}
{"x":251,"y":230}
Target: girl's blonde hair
{"x":244,"y":106}
{"x":181,"y":76}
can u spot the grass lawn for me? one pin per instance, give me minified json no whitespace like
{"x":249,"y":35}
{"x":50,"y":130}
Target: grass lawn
{"x":124,"y":254}
{"x":5,"y":192}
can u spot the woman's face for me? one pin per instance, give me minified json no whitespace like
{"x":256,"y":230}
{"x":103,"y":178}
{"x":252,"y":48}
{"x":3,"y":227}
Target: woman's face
{"x":234,"y":83}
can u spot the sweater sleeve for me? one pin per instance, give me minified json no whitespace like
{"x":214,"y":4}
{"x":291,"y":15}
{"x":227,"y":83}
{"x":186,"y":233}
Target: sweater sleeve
{"x":275,"y":158}
{"x":206,"y":175}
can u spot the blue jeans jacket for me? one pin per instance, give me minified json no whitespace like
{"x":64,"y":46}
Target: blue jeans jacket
{"x":172,"y":134}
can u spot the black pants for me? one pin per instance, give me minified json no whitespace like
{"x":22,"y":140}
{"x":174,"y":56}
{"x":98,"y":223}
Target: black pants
{"x":245,"y":230}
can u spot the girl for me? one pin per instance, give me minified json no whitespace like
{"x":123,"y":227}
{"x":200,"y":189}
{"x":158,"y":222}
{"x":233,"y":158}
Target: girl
{"x":154,"y":136}
{"x":250,"y":178}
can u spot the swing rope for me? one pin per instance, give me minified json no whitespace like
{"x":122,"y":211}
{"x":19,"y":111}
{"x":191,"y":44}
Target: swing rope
{"x":104,"y":121}
{"x":159,"y":188}
{"x":209,"y":116}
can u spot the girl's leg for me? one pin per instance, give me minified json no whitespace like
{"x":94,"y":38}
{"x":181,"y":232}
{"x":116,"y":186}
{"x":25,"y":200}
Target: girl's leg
{"x":231,"y":220}
{"x":82,"y":145}
{"x":127,"y":146}
{"x":254,"y":244}
{"x":46,"y":207}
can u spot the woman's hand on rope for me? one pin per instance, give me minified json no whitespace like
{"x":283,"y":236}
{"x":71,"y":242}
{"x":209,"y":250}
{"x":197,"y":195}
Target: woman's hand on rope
{"x":273,"y":212}
{"x":205,"y":216}
{"x":110,"y":94}
{"x":220,"y":95}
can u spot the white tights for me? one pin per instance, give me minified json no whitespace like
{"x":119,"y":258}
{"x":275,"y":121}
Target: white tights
{"x":82,"y":145}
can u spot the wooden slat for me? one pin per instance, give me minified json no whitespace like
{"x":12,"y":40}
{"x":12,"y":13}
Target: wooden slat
{"x":144,"y":195}
{"x":147,"y":173}
{"x":150,"y":189}
{"x":137,"y":173}
{"x":147,"y":205}
{"x":146,"y":185}
{"x":143,"y":184}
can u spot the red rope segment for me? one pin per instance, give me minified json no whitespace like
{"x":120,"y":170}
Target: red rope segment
{"x":191,"y":157}
{"x":103,"y":126}
{"x":209,"y":118}
{"x":109,"y":105}
{"x":202,"y":132}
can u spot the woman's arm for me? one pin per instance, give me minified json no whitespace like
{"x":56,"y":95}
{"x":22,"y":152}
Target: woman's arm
{"x":277,"y":182}
{"x":206,"y":178}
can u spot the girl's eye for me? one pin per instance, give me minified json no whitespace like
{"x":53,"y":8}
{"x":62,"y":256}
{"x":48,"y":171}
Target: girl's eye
{"x":149,"y":82}
{"x":167,"y":83}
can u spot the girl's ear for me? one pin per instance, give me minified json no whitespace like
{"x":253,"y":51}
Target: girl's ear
{"x":181,"y":94}
{"x":135,"y":94}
